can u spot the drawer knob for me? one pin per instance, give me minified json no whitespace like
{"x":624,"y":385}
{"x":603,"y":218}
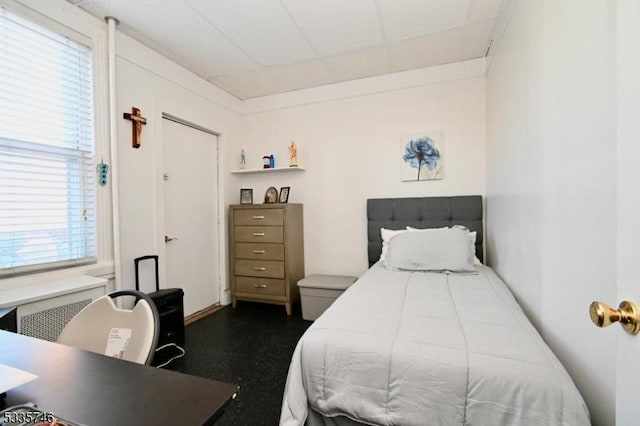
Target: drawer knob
{"x":259,"y":268}
{"x":257,"y":217}
{"x":260,"y":285}
{"x":259,"y":251}
{"x":258,"y":234}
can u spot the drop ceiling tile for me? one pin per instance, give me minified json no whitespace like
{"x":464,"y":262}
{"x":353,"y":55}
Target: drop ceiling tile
{"x":482,"y":10}
{"x":116,"y":8}
{"x":176,"y":31}
{"x":337,"y":26}
{"x":411,"y":18}
{"x":262,"y":29}
{"x":426,"y":51}
{"x":303,"y":74}
{"x":252,"y":84}
{"x":363,"y":63}
{"x":221,"y":85}
{"x":476,"y":40}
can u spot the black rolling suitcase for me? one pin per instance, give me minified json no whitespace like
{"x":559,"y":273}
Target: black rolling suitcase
{"x":170,"y":306}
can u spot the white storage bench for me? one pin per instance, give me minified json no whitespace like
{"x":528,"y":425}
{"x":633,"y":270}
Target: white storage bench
{"x":318,"y":292}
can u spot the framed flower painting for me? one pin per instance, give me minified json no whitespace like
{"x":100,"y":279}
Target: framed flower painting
{"x":421,"y":156}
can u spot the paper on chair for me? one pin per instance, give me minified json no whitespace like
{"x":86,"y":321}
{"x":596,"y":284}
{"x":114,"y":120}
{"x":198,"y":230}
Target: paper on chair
{"x":12,"y":377}
{"x":118,"y":341}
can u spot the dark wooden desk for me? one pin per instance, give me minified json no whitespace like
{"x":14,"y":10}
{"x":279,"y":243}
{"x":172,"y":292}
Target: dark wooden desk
{"x":93,"y":389}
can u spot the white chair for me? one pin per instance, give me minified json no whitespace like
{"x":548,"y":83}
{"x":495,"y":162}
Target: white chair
{"x":92,"y":329}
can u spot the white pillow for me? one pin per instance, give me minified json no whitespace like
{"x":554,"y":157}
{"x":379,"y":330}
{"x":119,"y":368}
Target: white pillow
{"x":472,"y":240}
{"x":439,"y":250}
{"x":387,"y":235}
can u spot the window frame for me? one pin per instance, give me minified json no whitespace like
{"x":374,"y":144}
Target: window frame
{"x":70,"y":21}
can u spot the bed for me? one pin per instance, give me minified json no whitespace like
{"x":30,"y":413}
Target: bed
{"x":404,"y":347}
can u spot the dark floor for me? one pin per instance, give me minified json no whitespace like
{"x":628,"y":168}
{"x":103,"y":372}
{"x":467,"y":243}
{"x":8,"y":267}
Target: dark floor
{"x":251,"y":346}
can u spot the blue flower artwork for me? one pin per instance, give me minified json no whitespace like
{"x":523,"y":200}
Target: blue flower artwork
{"x":422,"y":158}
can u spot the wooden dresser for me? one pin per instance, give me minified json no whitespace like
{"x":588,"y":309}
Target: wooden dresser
{"x":266,"y":252}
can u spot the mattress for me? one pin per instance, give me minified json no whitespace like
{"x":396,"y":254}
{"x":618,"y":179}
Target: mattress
{"x":419,"y":348}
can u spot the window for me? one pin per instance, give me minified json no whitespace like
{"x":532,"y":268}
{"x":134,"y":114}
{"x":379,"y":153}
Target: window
{"x":47,"y":189}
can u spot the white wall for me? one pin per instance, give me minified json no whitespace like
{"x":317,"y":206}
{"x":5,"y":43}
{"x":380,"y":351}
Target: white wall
{"x":348,"y":138}
{"x":551,"y":170}
{"x":155,"y":85}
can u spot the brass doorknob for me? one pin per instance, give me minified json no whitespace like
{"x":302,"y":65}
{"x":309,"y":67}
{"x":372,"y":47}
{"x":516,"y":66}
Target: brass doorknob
{"x":627,"y":314}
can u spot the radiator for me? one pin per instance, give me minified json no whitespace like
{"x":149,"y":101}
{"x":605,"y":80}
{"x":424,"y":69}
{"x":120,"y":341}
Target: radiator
{"x":44,"y":313}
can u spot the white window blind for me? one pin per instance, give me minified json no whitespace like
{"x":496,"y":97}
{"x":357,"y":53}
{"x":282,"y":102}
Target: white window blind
{"x":47,"y":190}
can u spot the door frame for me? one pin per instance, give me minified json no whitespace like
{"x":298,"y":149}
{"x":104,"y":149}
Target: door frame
{"x":161,"y":111}
{"x":627,"y":381}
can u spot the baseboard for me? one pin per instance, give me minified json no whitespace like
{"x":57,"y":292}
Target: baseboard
{"x":190,"y":319}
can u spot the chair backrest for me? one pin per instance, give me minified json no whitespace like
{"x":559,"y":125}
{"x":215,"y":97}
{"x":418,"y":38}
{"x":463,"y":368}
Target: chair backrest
{"x":130,"y":334}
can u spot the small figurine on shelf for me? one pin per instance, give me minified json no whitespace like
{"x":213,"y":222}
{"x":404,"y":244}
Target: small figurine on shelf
{"x":293,"y":155}
{"x":272,"y":161}
{"x":243,"y":159}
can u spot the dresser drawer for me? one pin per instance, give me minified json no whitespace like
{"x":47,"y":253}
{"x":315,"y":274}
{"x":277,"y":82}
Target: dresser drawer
{"x":264,"y":286}
{"x":259,"y":234}
{"x":269,"y":217}
{"x":260,"y":268}
{"x":259,"y":251}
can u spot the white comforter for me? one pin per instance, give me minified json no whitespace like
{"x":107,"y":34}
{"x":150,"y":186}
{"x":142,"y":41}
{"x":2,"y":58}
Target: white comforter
{"x":401,"y":348}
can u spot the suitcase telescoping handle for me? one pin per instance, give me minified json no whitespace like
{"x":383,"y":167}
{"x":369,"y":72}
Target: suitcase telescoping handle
{"x":137,"y":260}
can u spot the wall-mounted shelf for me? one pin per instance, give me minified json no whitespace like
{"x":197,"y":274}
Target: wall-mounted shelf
{"x":275,"y":170}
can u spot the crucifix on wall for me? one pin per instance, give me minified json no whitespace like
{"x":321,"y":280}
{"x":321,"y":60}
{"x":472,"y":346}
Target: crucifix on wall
{"x":137,"y":121}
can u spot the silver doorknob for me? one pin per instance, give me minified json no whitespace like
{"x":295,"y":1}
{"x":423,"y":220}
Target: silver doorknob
{"x":627,"y":314}
{"x":168,"y":238}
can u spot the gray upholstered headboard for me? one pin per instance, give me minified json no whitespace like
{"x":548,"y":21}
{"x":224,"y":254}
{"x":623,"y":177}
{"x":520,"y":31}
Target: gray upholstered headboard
{"x":426,"y":212}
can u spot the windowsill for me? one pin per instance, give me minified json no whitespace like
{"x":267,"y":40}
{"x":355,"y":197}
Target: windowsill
{"x":39,"y":281}
{"x":36,"y":292}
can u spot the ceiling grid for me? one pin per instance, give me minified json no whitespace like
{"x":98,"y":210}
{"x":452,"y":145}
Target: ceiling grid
{"x":254,"y":48}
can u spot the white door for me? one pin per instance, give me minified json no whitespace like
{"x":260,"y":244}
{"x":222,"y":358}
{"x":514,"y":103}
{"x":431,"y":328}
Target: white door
{"x":628,"y":100}
{"x":190,"y":214}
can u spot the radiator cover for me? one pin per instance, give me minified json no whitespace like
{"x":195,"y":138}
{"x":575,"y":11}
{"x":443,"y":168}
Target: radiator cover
{"x":48,"y":324}
{"x":45,"y":318}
